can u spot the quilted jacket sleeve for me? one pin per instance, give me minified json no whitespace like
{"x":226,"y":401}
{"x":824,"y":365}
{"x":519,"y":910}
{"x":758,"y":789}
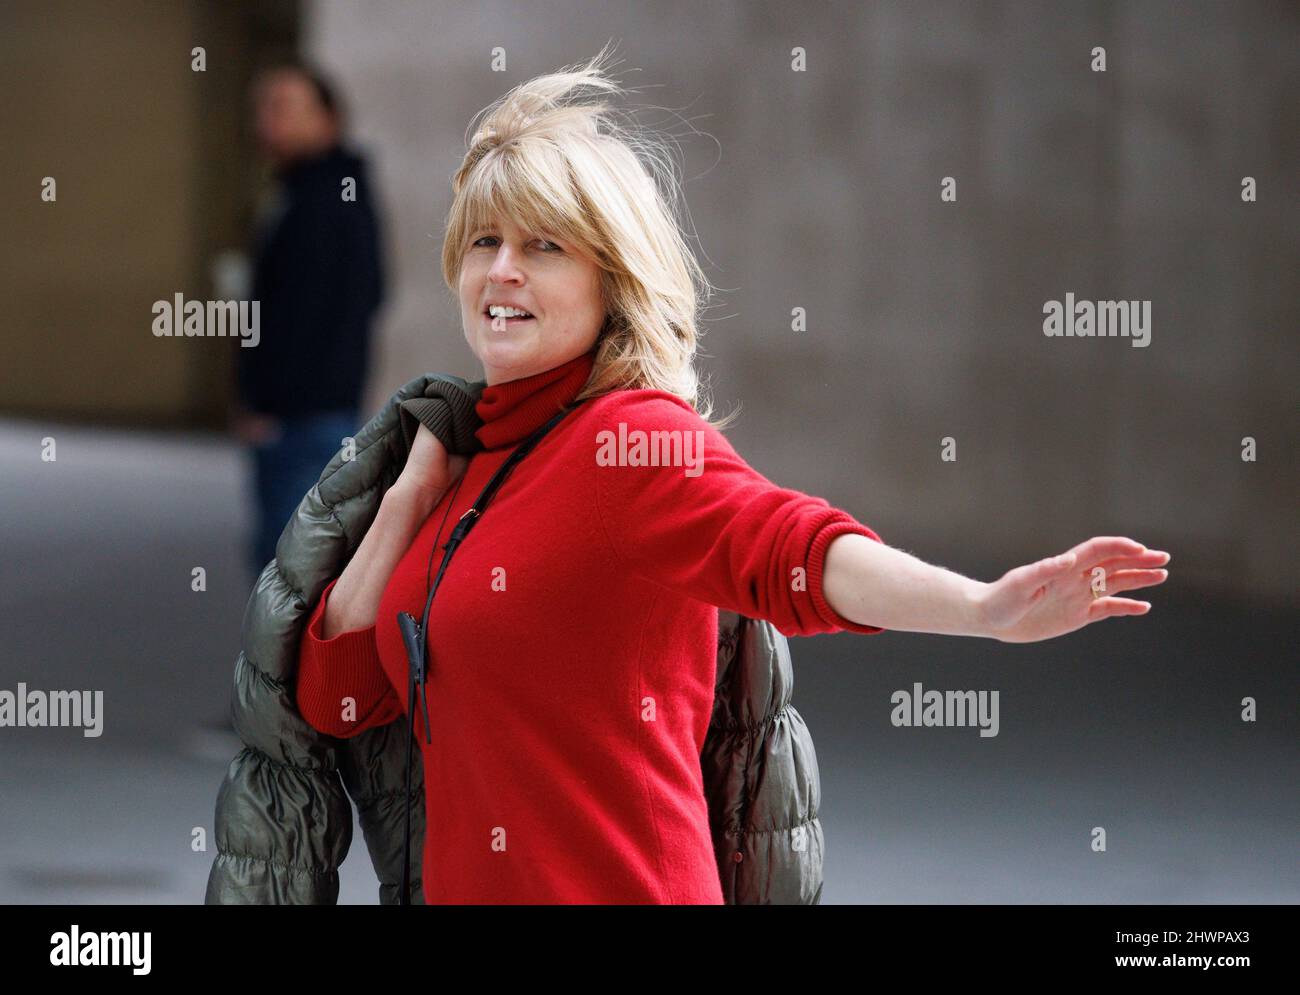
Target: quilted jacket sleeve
{"x":344,"y":666}
{"x":713,"y":528}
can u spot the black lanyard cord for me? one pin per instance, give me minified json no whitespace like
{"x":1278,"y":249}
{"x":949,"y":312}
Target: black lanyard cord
{"x":415,"y":634}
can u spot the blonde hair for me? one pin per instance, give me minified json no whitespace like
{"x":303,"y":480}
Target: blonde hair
{"x":572,"y":170}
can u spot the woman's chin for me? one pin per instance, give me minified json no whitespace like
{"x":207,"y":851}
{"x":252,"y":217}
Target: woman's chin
{"x":505,"y":354}
{"x":499,"y":351}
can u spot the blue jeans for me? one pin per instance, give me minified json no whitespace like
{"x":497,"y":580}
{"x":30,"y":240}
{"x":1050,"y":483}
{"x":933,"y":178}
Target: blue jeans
{"x":285,"y":468}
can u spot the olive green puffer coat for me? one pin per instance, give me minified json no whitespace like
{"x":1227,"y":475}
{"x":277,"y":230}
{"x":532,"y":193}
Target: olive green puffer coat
{"x":283,"y":818}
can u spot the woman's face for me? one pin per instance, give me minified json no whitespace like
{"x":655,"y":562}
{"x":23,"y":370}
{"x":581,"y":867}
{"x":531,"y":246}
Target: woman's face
{"x":559,"y":288}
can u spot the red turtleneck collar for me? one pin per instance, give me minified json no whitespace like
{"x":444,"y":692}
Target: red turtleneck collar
{"x":511,"y":410}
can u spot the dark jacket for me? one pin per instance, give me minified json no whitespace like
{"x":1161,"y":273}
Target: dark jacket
{"x":318,"y":273}
{"x":283,"y":820}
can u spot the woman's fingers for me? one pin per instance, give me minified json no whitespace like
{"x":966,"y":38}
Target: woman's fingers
{"x":1128,"y":580}
{"x":1151,"y":558}
{"x":1106,"y":547}
{"x":1107,"y":607}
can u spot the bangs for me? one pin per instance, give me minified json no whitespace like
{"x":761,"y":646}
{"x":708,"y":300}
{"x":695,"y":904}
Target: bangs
{"x":504,"y":186}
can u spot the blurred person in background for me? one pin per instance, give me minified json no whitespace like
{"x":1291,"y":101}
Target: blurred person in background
{"x":318,"y":273}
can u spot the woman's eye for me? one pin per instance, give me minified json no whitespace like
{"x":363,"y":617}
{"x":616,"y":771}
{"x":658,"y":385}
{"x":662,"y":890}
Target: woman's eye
{"x":553,"y":246}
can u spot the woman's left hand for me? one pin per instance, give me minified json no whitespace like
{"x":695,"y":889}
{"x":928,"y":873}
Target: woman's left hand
{"x":1055,"y":596}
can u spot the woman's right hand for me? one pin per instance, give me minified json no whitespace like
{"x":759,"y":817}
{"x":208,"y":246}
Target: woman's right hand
{"x":403,"y":510}
{"x":430,"y":469}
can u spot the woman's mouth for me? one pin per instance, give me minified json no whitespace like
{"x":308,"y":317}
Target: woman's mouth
{"x":501,"y":323}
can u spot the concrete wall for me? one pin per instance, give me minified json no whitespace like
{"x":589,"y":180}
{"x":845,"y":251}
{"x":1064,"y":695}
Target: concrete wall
{"x":925,"y":318}
{"x":153,"y":176}
{"x":121,"y":148}
{"x":816,"y":189}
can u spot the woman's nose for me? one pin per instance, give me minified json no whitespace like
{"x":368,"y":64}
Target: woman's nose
{"x":505,"y":266}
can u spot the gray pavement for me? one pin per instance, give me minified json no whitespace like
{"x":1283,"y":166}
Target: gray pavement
{"x":1132,"y":725}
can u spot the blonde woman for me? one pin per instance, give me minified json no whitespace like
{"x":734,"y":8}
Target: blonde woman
{"x":572,"y":638}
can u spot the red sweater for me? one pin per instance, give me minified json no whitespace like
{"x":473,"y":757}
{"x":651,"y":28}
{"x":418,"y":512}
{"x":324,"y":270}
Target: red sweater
{"x":573,"y":649}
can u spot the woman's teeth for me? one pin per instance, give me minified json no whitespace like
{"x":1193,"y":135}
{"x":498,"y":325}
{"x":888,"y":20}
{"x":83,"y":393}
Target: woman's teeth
{"x":500,"y":321}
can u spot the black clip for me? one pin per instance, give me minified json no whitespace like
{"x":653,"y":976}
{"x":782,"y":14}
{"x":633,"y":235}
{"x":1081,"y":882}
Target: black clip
{"x":417,"y":665}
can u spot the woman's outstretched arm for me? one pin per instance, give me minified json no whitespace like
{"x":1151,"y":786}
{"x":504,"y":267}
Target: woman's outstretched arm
{"x":874,"y":584}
